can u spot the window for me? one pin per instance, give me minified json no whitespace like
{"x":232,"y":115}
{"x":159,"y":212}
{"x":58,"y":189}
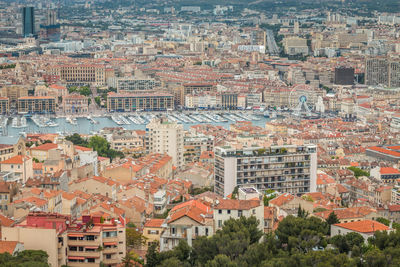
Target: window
{"x":220,"y":211}
{"x":206,"y":231}
{"x":240,"y":213}
{"x":219,"y":223}
{"x":254,"y":211}
{"x":229,"y":211}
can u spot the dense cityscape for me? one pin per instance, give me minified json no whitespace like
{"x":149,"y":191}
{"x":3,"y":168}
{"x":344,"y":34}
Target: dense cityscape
{"x":199,"y":133}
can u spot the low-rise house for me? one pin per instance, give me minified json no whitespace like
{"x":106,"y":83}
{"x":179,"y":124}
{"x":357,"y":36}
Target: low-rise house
{"x":353,"y":214}
{"x":186,"y":221}
{"x":96,"y":184}
{"x":226,"y":209}
{"x":152,"y":230}
{"x":11,"y":247}
{"x":22,"y":167}
{"x":366,"y":228}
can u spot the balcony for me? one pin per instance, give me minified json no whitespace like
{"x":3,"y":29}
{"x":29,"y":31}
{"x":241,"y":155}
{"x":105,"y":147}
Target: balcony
{"x":110,"y":239}
{"x":94,"y":254}
{"x":110,"y":250}
{"x":111,"y":261}
{"x":83,"y":264}
{"x":82,"y":243}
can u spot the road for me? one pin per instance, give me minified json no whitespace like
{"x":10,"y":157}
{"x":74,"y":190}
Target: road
{"x":273,"y":48}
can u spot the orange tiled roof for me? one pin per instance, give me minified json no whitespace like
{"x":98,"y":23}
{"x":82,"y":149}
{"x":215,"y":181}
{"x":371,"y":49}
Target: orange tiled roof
{"x":15,"y":160}
{"x":45,"y":147}
{"x":389,"y":170}
{"x":282,"y":199}
{"x":8,"y":246}
{"x":365,"y":226}
{"x":82,"y":148}
{"x":154,"y":223}
{"x":235,"y":204}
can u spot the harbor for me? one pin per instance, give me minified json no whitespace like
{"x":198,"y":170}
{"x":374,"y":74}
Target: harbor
{"x":16,"y":126}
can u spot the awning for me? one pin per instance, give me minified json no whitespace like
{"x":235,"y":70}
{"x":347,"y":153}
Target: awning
{"x":75,"y":258}
{"x":92,"y":247}
{"x":110,"y":243}
{"x":75,"y":235}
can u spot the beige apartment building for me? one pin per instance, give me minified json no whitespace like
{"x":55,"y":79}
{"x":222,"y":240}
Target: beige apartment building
{"x":166,"y":137}
{"x":82,"y":74}
{"x":83,"y":243}
{"x":21,"y":166}
{"x":287,"y":169}
{"x":75,"y":104}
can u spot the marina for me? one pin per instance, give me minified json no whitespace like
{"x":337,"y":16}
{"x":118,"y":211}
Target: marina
{"x":131,"y":121}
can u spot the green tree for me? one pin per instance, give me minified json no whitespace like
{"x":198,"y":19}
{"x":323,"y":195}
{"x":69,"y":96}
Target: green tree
{"x":134,"y":239}
{"x":221,"y":261}
{"x":152,"y":255}
{"x":76,"y":139}
{"x":383,"y":220}
{"x":332,"y":218}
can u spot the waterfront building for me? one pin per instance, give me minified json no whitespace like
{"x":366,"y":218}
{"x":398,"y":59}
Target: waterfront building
{"x":36,"y":104}
{"x":75,"y":104}
{"x":139,"y":102}
{"x":4,"y":105}
{"x":287,"y":169}
{"x":127,"y":84}
{"x":166,"y":137}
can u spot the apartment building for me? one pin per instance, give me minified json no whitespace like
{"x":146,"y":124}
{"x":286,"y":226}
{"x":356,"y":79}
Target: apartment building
{"x":128,"y":84}
{"x":139,"y":102}
{"x":75,"y":104}
{"x":13,"y":92}
{"x":21,"y":166}
{"x":4,"y":105}
{"x":194,"y":88}
{"x":36,"y":104}
{"x":287,"y":169}
{"x":83,"y":243}
{"x":41,"y":231}
{"x":94,"y":240}
{"x":166,"y":137}
{"x":382,"y":71}
{"x":82,"y":74}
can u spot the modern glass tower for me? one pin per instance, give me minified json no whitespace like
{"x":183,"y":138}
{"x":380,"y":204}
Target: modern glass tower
{"x":28,"y":21}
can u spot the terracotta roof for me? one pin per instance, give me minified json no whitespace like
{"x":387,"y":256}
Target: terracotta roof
{"x":82,"y":148}
{"x":5,"y":221}
{"x":235,"y":204}
{"x":281,"y":200}
{"x":8,"y":246}
{"x":154,"y":223}
{"x":389,"y":170}
{"x":394,"y":208}
{"x":15,"y":160}
{"x":365,"y":226}
{"x":45,"y":147}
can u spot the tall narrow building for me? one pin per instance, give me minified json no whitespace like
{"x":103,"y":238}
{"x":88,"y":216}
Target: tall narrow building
{"x":166,"y":137}
{"x":28,"y":21}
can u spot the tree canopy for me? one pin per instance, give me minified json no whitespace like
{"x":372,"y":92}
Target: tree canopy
{"x":25,"y":258}
{"x":296,"y":242}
